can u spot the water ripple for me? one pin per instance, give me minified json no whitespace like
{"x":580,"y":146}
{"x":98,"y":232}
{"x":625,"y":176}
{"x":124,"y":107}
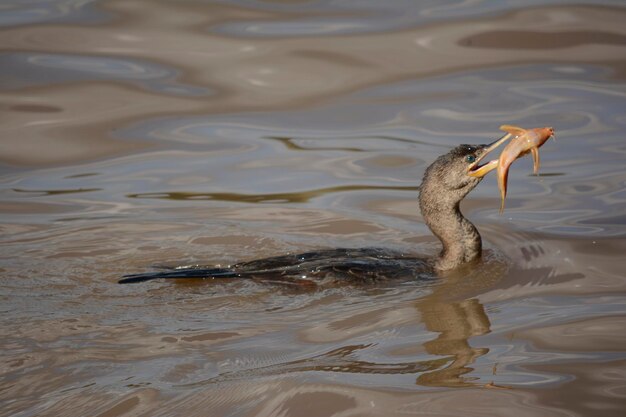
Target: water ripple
{"x":21,"y":12}
{"x":34,"y":69}
{"x":322,"y":18}
{"x":302,"y":125}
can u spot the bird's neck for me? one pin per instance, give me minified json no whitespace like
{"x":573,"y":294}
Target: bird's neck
{"x":459,"y":237}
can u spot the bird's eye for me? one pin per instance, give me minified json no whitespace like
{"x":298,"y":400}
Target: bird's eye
{"x":470,"y":158}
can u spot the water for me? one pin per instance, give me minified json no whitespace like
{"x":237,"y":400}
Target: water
{"x":139,"y":133}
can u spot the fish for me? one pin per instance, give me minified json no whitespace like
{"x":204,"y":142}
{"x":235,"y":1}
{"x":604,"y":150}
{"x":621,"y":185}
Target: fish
{"x":524,"y":141}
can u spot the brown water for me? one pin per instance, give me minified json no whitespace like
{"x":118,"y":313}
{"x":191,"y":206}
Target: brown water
{"x":137,"y":133}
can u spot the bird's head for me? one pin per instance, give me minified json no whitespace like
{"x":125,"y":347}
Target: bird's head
{"x":458,"y":172}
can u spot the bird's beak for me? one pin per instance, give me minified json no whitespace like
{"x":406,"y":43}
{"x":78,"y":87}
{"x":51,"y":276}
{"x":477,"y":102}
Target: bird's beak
{"x":478,"y":170}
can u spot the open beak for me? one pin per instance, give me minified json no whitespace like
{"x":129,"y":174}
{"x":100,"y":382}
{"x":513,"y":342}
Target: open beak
{"x":478,"y":170}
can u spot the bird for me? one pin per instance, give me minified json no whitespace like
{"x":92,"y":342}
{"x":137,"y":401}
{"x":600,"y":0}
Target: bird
{"x":446,"y":182}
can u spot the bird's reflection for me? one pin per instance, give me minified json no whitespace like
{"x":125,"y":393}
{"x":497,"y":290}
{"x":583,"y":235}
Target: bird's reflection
{"x":453,"y":312}
{"x":444,"y":311}
{"x":456,"y":323}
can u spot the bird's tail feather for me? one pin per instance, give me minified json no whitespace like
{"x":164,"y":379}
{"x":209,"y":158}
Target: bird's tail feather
{"x":180,"y":274}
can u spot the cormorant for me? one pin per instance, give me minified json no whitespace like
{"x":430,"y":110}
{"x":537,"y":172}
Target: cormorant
{"x":446,"y":182}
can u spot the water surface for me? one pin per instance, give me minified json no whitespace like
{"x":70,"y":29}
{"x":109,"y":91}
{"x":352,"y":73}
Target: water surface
{"x":142,"y":133}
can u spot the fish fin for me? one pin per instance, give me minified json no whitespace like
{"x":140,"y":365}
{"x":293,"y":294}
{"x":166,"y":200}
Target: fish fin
{"x":503,"y":176}
{"x":514,"y":130}
{"x":535,"y":152}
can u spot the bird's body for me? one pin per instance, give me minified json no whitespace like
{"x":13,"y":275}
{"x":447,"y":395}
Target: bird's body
{"x":364,"y":265}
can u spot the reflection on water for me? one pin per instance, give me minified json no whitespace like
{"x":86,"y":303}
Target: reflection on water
{"x":455,"y":323}
{"x":19,"y":12}
{"x":29,"y":70}
{"x":54,"y":192}
{"x":299,"y":197}
{"x":306,"y":18}
{"x":150,"y":132}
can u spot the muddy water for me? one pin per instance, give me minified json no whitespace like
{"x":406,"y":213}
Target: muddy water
{"x":142,"y":133}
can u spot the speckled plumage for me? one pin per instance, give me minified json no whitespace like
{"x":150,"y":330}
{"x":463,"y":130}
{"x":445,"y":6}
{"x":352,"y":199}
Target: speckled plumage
{"x":445,"y":184}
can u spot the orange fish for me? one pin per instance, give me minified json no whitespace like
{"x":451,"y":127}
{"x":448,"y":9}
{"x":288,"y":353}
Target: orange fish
{"x":523,"y":142}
